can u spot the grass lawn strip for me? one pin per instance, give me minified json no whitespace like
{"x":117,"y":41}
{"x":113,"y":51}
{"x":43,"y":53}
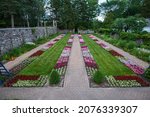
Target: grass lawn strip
{"x":130,"y":64}
{"x":123,"y":81}
{"x":45,"y":63}
{"x":107,"y":63}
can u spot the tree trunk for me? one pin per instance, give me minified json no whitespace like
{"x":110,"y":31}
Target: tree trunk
{"x":38,"y":22}
{"x":12,"y":21}
{"x":28,"y":23}
{"x":76,"y":29}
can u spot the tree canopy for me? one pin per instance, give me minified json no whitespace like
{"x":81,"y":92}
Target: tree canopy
{"x":21,"y":12}
{"x":125,"y":15}
{"x":72,"y":14}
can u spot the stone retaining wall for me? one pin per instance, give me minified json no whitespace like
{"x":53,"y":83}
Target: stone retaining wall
{"x":14,"y":37}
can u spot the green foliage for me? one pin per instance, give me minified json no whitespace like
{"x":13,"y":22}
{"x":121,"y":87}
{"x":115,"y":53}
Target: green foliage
{"x":128,"y":36}
{"x":73,"y":14}
{"x":146,"y":37}
{"x":130,"y":45}
{"x":118,"y":24}
{"x":54,"y":77}
{"x":145,"y":8}
{"x":121,"y":43}
{"x":114,"y":9}
{"x":17,"y":52}
{"x":147,"y":74}
{"x":104,"y":31}
{"x":33,"y":30}
{"x":2,"y":78}
{"x":98,"y":77}
{"x":131,"y":23}
{"x":23,"y":11}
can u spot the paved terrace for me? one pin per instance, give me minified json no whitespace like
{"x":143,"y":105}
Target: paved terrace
{"x":76,"y":86}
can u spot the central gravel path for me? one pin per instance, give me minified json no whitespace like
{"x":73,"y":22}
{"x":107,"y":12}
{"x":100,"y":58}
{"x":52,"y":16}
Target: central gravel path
{"x":76,"y":75}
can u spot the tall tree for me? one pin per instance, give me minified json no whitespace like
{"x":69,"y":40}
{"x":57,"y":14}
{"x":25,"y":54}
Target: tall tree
{"x":9,"y":7}
{"x":146,"y":9}
{"x":29,"y":11}
{"x":73,"y":13}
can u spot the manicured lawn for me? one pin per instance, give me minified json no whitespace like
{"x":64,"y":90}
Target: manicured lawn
{"x":46,"y":62}
{"x":107,"y":63}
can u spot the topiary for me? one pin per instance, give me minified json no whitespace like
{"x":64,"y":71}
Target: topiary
{"x":98,"y":77}
{"x":54,"y":77}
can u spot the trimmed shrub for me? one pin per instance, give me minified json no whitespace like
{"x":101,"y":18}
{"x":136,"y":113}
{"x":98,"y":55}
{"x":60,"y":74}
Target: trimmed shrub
{"x":98,"y":77}
{"x":54,"y":77}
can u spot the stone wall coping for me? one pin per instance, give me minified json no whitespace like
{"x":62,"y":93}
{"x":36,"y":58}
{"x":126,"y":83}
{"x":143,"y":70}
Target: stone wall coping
{"x":23,"y":28}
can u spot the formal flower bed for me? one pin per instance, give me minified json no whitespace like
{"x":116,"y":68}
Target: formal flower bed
{"x":100,"y":43}
{"x":15,"y":70}
{"x":26,"y":81}
{"x":122,"y":83}
{"x":133,"y":66}
{"x":52,"y":42}
{"x":38,"y":53}
{"x":40,"y":82}
{"x":62,"y":62}
{"x":61,"y":65}
{"x":90,"y":64}
{"x":114,"y":53}
{"x":81,"y":39}
{"x":70,"y":41}
{"x":136,"y":78}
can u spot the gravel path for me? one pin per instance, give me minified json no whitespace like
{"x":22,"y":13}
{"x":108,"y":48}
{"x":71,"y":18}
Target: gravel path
{"x":127,"y":55}
{"x":76,"y":75}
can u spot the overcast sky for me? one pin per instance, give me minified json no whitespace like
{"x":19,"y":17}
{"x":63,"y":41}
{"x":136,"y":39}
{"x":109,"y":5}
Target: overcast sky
{"x":100,"y":1}
{"x":101,"y":17}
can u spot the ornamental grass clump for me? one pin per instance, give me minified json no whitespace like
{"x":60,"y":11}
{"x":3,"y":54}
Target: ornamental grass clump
{"x":54,"y":77}
{"x":98,"y":77}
